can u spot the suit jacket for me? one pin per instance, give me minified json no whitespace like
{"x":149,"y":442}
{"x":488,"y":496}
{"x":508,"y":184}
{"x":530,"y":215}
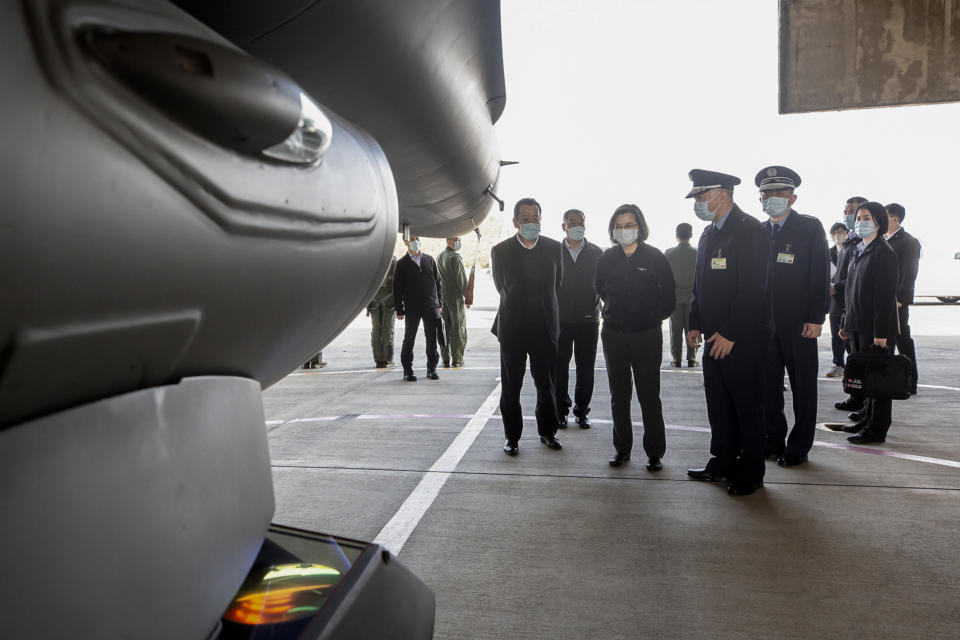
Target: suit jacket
{"x":801,"y":273}
{"x":731,"y":290}
{"x":871,"y":292}
{"x":416,"y":289}
{"x":847,"y":253}
{"x":907,"y":249}
{"x":505,"y":265}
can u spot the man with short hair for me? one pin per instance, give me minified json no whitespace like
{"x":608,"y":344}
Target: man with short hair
{"x":527,"y":272}
{"x":907,"y":249}
{"x":839,"y":283}
{"x":382,"y":314}
{"x":453,"y":277}
{"x":838,"y":235}
{"x":417,"y":295}
{"x":801,"y":297}
{"x":731,"y":310}
{"x":683,"y":262}
{"x":579,"y":319}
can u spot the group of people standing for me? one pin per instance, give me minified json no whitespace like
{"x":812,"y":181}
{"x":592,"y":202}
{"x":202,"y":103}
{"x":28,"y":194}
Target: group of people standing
{"x":755,"y":295}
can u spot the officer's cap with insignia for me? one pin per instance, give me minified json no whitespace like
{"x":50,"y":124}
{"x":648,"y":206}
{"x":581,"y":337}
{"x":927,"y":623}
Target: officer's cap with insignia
{"x":776,"y":178}
{"x":704,"y":180}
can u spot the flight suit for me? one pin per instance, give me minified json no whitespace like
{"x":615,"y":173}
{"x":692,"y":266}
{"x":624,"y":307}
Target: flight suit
{"x":383,"y":318}
{"x":731,"y":296}
{"x":453,"y":278}
{"x":800,"y":286}
{"x":683,"y":262}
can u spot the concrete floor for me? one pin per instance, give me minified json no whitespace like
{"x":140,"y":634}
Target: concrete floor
{"x":561,"y":545}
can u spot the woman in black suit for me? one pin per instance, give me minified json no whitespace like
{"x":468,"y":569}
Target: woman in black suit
{"x":871,"y":309}
{"x":638,"y":290}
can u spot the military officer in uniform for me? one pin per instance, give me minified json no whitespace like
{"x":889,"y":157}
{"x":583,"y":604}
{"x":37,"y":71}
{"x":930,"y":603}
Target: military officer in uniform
{"x":731,"y":312}
{"x":683,"y":263}
{"x":801,"y":294}
{"x":453,"y":277}
{"x":382,"y":314}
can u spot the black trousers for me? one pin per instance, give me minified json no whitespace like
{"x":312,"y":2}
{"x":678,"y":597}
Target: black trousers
{"x":638,"y":353}
{"x":578,"y":339}
{"x":905,"y":344}
{"x":798,"y":356}
{"x":529,"y":340}
{"x":836,"y":342}
{"x":733,"y":388}
{"x":879,"y":411}
{"x":412,"y":323}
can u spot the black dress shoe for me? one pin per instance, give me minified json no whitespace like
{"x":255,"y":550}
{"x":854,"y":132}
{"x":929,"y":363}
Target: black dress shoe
{"x":692,"y":363}
{"x":850,"y":404}
{"x":562,"y":423}
{"x":583,"y":422}
{"x":743,"y":488}
{"x":511,"y":448}
{"x":409,"y":377}
{"x":675,"y":363}
{"x":856,"y":427}
{"x":446,"y":365}
{"x":432,"y":374}
{"x":791,"y":459}
{"x":618,"y":459}
{"x":705,"y":474}
{"x":857,"y":416}
{"x":551,"y":442}
{"x":776,"y":454}
{"x":865,"y":437}
{"x":654,"y":464}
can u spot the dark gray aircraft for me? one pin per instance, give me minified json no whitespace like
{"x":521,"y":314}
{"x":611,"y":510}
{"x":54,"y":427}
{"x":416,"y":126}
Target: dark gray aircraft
{"x":197,"y":196}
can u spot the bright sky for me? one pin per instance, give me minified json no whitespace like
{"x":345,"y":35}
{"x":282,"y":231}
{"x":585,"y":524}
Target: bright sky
{"x":614,"y":101}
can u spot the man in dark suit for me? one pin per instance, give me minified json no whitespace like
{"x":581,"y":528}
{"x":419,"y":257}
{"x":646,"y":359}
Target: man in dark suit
{"x":417,"y":295}
{"x":579,"y":319}
{"x":838,"y":286}
{"x":907,"y":249}
{"x":527,"y":272}
{"x":731,"y":310}
{"x":801,"y":297}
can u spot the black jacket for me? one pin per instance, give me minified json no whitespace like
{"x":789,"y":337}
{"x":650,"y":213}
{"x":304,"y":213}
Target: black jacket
{"x":578,"y":297}
{"x":839,"y":282}
{"x":416,"y":289}
{"x":732,"y":295}
{"x":871,"y":292}
{"x":907,"y":249}
{"x":638,"y":291}
{"x":505,"y":259}
{"x":833,"y":254}
{"x":801,"y":273}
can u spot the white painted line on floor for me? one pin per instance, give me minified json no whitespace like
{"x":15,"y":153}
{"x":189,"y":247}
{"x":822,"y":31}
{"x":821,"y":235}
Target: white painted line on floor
{"x":887,"y":453}
{"x":396,"y":532}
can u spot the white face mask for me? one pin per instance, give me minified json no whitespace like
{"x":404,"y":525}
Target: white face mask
{"x":575,"y":233}
{"x":625,"y":237}
{"x":775,"y":206}
{"x":414,"y":246}
{"x":457,"y":245}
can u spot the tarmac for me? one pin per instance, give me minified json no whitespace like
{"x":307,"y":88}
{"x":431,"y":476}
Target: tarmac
{"x":860,"y":542}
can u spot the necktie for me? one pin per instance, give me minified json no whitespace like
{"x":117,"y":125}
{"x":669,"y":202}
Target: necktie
{"x":773,"y":230}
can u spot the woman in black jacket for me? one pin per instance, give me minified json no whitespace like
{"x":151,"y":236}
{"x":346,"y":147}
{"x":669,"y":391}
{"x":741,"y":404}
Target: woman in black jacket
{"x":636,"y":284}
{"x":871,"y":309}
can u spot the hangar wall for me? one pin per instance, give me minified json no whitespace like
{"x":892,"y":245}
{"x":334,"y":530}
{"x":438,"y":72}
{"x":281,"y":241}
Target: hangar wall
{"x":849,"y":54}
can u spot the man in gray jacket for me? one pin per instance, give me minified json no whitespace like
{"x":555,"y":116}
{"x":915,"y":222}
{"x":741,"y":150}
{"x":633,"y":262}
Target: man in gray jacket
{"x":683,"y":262}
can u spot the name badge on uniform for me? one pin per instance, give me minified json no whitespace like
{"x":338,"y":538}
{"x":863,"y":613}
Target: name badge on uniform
{"x":718,"y":263}
{"x":785,"y":258}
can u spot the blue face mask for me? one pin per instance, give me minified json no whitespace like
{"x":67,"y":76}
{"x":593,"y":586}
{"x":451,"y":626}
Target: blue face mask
{"x":414,"y":246}
{"x":530,"y":231}
{"x":457,"y":245}
{"x":702,"y":210}
{"x":775,"y":207}
{"x":575,"y":233}
{"x":848,"y":221}
{"x":864,"y":228}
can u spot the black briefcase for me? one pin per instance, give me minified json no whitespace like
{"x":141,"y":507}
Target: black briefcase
{"x":877,"y":373}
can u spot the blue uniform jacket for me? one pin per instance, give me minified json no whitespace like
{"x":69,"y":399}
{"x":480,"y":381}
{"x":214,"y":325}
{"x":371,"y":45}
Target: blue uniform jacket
{"x":731,"y":290}
{"x":801,"y":273}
